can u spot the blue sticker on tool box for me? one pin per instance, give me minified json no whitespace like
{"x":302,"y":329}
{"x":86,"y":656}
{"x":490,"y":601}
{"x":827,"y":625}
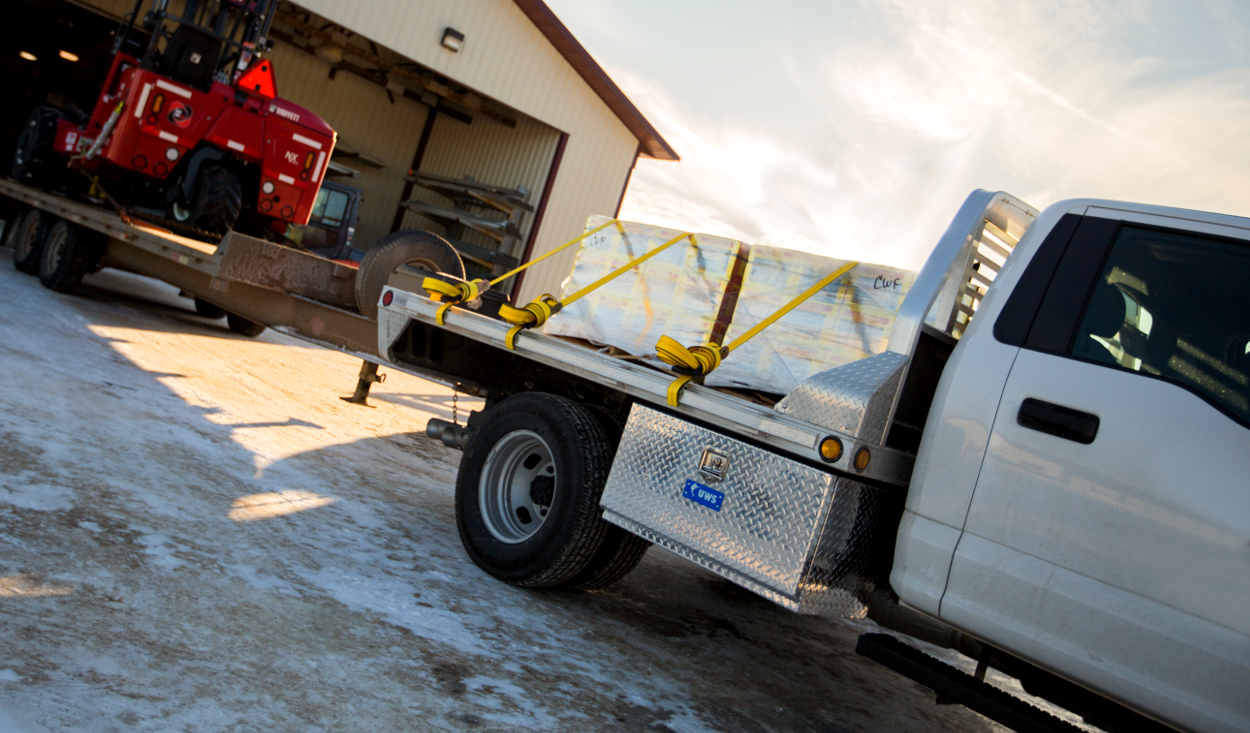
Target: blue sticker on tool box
{"x":700,"y":494}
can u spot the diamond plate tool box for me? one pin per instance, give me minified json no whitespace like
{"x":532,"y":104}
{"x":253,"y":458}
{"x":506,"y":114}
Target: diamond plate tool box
{"x":813,"y":541}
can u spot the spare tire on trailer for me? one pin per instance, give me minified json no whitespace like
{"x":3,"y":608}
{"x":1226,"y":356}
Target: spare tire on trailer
{"x":405,"y":247}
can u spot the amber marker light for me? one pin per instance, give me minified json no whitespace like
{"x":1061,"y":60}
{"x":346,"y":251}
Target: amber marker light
{"x":862,"y":456}
{"x":69,"y":56}
{"x":27,"y":55}
{"x":831,"y":449}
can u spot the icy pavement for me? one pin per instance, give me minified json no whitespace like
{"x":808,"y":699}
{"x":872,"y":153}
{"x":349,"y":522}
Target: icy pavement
{"x":197,"y":535}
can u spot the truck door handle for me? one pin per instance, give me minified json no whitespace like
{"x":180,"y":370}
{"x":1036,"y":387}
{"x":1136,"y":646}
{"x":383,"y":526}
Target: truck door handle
{"x":1059,"y":421}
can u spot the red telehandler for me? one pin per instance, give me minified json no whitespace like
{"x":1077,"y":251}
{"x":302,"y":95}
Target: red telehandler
{"x":192,"y":128}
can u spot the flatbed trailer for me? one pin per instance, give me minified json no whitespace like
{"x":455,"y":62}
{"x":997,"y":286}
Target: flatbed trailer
{"x":293,"y":292}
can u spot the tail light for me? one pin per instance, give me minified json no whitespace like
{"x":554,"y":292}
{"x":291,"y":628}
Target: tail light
{"x":157,"y":103}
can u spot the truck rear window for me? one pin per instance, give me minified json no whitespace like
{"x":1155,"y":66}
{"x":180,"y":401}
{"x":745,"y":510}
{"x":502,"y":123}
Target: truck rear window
{"x":1177,"y":307}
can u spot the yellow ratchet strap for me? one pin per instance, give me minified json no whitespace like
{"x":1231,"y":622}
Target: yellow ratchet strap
{"x":538,"y":312}
{"x":457,"y":293}
{"x":450,"y":294}
{"x":698,"y":361}
{"x":534,"y":314}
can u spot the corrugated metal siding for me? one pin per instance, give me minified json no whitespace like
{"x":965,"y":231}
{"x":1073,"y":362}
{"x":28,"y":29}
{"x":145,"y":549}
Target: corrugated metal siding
{"x":366,"y":122}
{"x":507,"y":58}
{"x":491,"y":153}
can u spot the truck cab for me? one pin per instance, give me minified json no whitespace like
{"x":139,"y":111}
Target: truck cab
{"x":331,"y":225}
{"x":1080,"y":494}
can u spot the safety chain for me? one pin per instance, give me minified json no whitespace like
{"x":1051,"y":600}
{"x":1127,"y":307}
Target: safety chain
{"x":455,"y":400}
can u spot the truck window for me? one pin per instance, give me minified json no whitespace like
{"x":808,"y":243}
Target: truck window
{"x":329,"y":209}
{"x":1174,"y":306}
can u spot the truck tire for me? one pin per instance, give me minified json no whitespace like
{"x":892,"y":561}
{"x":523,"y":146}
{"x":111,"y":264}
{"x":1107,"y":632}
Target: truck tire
{"x":35,"y":159}
{"x":244,"y":326}
{"x":218,"y":201}
{"x":28,"y":240}
{"x":404,"y":247}
{"x":66,"y":256}
{"x":208,"y":310}
{"x":617,"y":557}
{"x":527,"y":495}
{"x":621,"y":550}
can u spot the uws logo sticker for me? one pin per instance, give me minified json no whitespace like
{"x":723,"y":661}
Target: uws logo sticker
{"x":283,"y":112}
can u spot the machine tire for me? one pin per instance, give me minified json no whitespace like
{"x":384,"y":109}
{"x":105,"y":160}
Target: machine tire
{"x":35,"y":159}
{"x":28,"y":240}
{"x":65,"y":257}
{"x":570,"y":536}
{"x":218,"y":201}
{"x":404,"y":247}
{"x":244,"y":326}
{"x":208,"y":310}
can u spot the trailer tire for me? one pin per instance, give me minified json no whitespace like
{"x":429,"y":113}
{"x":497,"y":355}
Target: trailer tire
{"x":404,"y":247}
{"x":28,"y":240}
{"x":35,"y":156}
{"x":208,"y":310}
{"x":244,"y":326}
{"x":218,"y":201}
{"x":503,"y":463}
{"x":66,"y":257}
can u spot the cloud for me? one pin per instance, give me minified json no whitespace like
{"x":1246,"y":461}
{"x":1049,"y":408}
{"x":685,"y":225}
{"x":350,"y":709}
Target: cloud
{"x":892,"y":129}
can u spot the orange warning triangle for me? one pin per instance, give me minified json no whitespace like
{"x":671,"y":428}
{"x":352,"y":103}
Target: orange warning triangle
{"x":259,"y":79}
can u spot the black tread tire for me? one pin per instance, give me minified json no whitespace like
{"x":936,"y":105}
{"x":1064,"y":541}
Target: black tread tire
{"x":573,"y":533}
{"x":28,"y":240}
{"x":35,"y":159}
{"x":218,"y":200}
{"x":71,"y":247}
{"x":244,"y":326}
{"x":617,"y":557}
{"x":415,"y":246}
{"x":208,"y":310}
{"x":621,"y":550}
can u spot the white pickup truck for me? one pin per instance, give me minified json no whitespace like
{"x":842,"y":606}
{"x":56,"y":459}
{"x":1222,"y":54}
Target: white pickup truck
{"x":1048,"y":469}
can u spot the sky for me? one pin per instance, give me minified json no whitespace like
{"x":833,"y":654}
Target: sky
{"x":855,"y":128}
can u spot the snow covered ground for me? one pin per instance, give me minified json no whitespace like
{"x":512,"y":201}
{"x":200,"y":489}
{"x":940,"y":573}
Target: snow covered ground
{"x":196,"y":534}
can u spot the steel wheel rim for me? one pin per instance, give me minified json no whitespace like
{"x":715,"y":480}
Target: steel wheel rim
{"x":424,"y":264}
{"x":507,"y":490}
{"x":53,"y":248}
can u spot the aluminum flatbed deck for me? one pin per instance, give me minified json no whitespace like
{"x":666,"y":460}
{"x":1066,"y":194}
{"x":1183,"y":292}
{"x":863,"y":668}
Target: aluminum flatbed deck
{"x":719,"y":409}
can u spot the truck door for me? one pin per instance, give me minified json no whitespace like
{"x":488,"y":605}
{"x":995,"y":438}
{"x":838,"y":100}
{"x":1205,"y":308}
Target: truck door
{"x":1108,"y":536}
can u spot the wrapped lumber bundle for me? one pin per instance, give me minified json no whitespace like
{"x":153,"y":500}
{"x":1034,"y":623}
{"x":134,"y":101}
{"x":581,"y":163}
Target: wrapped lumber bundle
{"x":847,"y":320}
{"x":680,"y":292}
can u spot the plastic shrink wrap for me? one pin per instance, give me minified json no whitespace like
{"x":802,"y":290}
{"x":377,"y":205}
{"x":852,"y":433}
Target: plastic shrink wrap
{"x":847,"y":320}
{"x":685,"y":291}
{"x":678,"y":293}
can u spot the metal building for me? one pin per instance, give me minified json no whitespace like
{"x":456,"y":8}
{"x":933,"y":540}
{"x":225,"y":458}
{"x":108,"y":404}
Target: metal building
{"x":498,"y":91}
